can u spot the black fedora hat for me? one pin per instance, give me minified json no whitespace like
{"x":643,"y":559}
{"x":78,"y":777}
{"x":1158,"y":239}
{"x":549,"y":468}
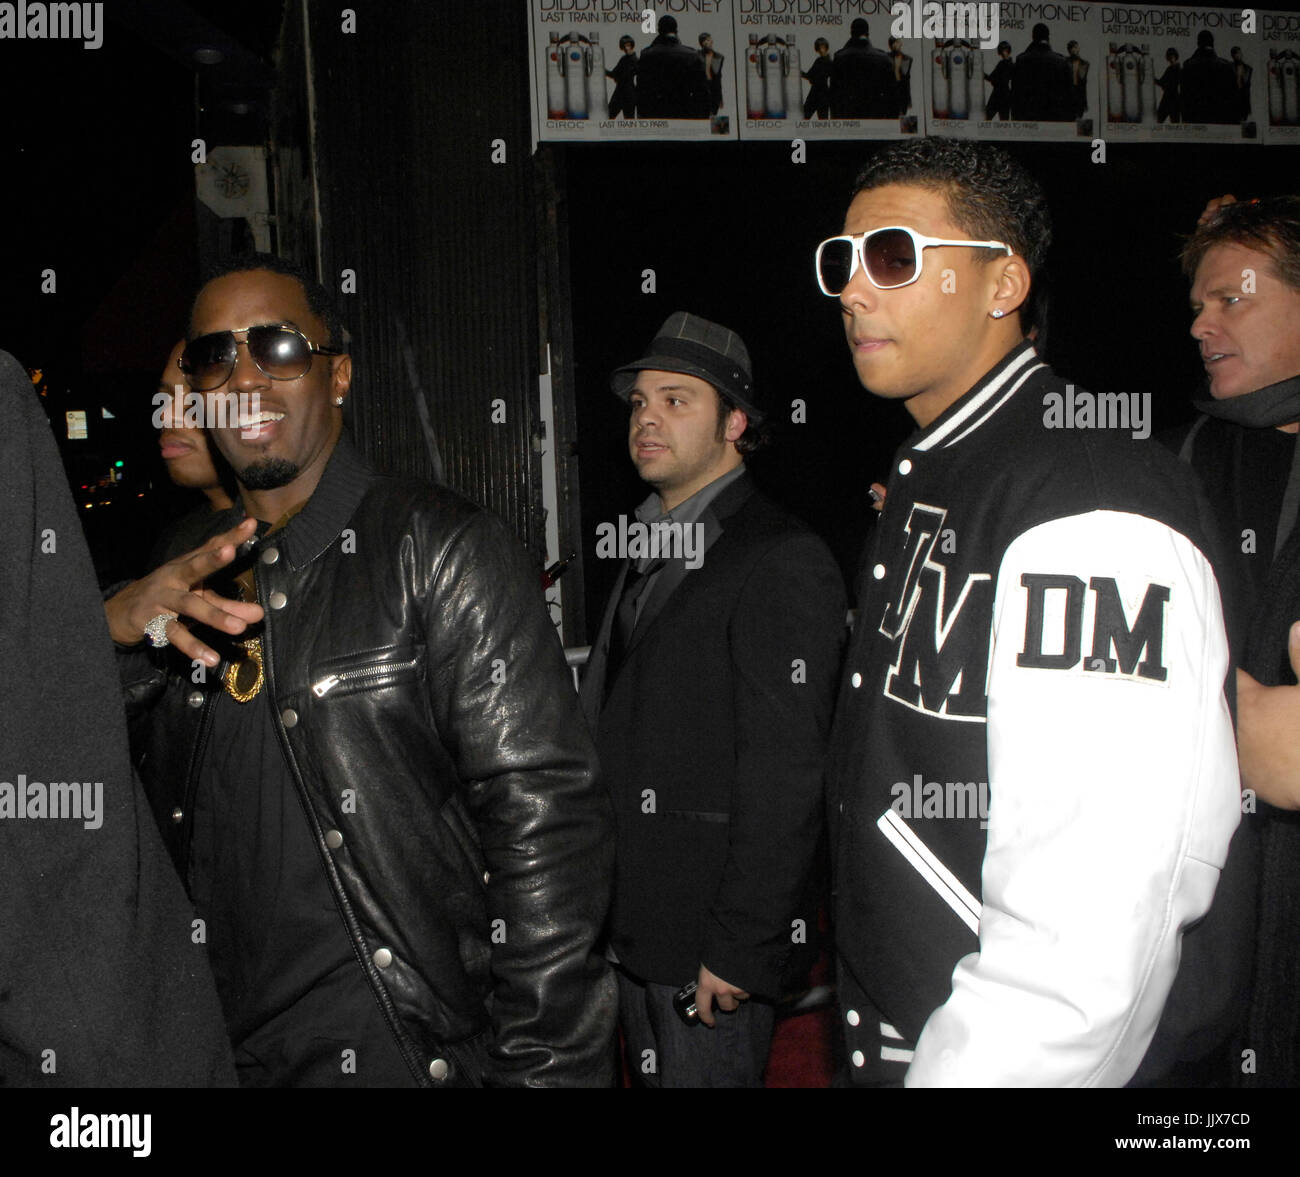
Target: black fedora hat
{"x":695,"y":347}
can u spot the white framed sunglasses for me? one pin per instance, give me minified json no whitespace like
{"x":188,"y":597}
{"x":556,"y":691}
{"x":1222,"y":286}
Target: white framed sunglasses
{"x":891,"y":257}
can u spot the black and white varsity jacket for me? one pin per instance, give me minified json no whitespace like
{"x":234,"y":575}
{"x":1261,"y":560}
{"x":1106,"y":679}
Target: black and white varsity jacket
{"x":1033,"y":777}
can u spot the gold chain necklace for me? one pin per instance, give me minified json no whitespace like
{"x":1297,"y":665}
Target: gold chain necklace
{"x":244,"y":676}
{"x":243,"y":679}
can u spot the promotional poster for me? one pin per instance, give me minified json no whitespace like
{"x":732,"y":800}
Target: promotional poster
{"x":1031,"y":73}
{"x":625,"y":70}
{"x":1280,"y":32}
{"x":1038,"y":70}
{"x":1192,"y":75}
{"x":827,"y":69}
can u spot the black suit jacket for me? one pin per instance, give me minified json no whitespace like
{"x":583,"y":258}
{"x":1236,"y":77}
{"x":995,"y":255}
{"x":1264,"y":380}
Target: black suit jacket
{"x":711,"y":742}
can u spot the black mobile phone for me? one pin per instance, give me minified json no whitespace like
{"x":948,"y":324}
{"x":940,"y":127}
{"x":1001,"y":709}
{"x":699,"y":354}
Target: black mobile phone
{"x":684,"y":1004}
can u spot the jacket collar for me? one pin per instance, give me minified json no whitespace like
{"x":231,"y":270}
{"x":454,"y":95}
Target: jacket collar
{"x":974,"y":408}
{"x":730,"y":499}
{"x":338,"y":494}
{"x":675,"y":574}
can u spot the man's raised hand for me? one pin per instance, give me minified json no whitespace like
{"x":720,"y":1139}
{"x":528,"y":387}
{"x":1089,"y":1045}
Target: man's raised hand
{"x":177,"y":587}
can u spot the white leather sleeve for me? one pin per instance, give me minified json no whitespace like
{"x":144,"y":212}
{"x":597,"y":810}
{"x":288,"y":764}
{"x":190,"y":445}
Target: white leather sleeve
{"x":1113,"y":796}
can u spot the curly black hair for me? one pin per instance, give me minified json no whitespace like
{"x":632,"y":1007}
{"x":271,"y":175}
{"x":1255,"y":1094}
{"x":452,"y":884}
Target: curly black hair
{"x":319,"y":301}
{"x":990,"y":196}
{"x":1270,"y":225}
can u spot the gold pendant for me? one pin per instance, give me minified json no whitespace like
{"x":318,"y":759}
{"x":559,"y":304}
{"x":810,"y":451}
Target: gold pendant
{"x":244,"y":678}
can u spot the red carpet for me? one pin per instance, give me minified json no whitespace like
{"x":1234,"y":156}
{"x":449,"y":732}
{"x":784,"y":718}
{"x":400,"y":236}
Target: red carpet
{"x":801,"y":1050}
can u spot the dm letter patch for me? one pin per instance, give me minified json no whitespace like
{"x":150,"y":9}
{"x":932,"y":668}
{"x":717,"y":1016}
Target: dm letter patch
{"x":1058,"y":634}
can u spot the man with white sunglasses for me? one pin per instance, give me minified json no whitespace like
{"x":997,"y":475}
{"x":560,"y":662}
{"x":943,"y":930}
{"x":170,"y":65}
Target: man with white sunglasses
{"x":1032,"y":781}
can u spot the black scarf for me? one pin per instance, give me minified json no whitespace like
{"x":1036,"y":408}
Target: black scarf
{"x":1266,"y":408}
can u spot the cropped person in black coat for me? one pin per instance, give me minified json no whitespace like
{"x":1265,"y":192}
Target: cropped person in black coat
{"x":818,"y":77}
{"x":104,"y":979}
{"x":623,"y":100}
{"x":999,"y":103}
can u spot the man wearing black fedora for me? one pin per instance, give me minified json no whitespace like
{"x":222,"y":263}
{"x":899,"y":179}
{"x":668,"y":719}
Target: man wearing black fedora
{"x":709,"y":688}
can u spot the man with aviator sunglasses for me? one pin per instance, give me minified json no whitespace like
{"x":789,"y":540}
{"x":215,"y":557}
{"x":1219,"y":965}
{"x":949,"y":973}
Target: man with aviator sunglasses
{"x":1032,"y":780}
{"x":362,"y":744}
{"x":279,"y":350}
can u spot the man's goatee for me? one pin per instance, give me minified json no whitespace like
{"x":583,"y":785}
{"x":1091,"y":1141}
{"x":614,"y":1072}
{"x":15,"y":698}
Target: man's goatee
{"x":269,"y":474}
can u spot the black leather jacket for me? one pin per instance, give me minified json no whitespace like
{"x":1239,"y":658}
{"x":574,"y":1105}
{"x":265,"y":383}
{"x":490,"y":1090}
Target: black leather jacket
{"x":435,"y":739}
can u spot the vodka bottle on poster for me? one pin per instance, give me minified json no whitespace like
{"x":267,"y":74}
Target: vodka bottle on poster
{"x":1289,"y":63}
{"x":975,"y":80}
{"x":1274,"y":88}
{"x":754,"y":78}
{"x":1129,"y":65}
{"x":958,"y":81}
{"x":597,"y":100}
{"x":939,"y":78}
{"x":1147,"y":71}
{"x":575,"y":76}
{"x":793,"y":91}
{"x":1114,"y":85}
{"x":556,"y":105}
{"x":773,"y":90}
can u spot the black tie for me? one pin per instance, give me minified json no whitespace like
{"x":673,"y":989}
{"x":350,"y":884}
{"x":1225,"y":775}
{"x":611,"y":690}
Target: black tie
{"x":620,"y":634}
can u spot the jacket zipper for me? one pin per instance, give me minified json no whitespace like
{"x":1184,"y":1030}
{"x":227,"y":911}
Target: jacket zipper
{"x":329,"y":682}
